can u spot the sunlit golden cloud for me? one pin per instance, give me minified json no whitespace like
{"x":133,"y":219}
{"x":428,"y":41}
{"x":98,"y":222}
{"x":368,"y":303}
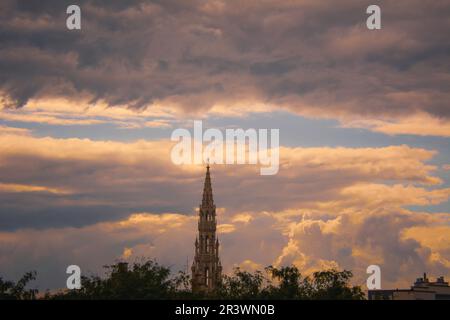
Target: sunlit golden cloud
{"x":420,"y":125}
{"x":60,"y":111}
{"x":12,"y":187}
{"x":127,"y":172}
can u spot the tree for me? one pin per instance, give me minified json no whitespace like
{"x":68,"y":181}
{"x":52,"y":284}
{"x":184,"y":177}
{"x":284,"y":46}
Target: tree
{"x":17,"y":291}
{"x":289,"y":284}
{"x":241,"y":285}
{"x":332,"y":284}
{"x":147,"y":280}
{"x":324,"y":285}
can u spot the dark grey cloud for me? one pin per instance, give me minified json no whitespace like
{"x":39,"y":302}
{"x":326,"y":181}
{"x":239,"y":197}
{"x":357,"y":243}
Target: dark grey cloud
{"x":307,"y":56}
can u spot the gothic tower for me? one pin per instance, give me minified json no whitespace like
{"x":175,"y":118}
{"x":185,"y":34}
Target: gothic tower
{"x":206,"y":267}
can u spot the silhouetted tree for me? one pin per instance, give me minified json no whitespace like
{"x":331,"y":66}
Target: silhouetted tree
{"x":149,"y":280}
{"x":332,"y":284}
{"x":241,"y":285}
{"x":17,"y":291}
{"x":288,"y":283}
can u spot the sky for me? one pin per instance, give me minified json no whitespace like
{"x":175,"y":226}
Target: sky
{"x":86,"y":117}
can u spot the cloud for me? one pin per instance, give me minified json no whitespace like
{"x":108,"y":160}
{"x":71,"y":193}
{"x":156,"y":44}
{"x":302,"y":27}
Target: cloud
{"x":435,"y":237}
{"x":376,"y":195}
{"x":11,"y":187}
{"x":312,"y":58}
{"x":64,"y":112}
{"x":420,"y":124}
{"x":50,"y":251}
{"x":73,"y":182}
{"x":358,"y":239}
{"x":404,"y":243}
{"x":13,"y":131}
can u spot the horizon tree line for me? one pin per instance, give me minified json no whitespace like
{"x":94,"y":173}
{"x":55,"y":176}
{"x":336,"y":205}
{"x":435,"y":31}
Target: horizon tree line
{"x":147,"y":279}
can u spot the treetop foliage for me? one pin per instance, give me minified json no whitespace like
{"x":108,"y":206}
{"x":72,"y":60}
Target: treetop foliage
{"x":149,"y":280}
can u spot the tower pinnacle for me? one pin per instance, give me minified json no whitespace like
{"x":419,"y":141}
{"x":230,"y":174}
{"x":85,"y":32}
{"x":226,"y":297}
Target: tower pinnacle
{"x":207,"y":199}
{"x":206,"y":267}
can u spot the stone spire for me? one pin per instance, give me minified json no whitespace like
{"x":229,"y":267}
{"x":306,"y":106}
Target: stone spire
{"x":206,"y":267}
{"x":207,"y":200}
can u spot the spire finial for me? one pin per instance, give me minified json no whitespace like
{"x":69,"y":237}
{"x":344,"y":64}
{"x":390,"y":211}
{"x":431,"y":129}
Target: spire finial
{"x":207,"y":190}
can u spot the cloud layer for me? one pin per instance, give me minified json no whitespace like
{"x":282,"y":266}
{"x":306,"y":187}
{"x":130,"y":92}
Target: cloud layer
{"x":314,"y":58}
{"x":57,"y":182}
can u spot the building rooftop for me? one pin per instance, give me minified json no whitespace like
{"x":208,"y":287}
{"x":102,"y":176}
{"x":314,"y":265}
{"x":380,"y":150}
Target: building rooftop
{"x":422,"y":289}
{"x":425,"y":282}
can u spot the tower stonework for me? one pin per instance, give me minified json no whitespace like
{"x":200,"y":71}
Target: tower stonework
{"x":206,"y":267}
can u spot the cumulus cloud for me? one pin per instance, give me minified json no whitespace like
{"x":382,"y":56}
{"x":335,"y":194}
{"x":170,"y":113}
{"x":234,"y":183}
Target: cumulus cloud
{"x":402,"y":243}
{"x":358,"y":239}
{"x":313,"y":58}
